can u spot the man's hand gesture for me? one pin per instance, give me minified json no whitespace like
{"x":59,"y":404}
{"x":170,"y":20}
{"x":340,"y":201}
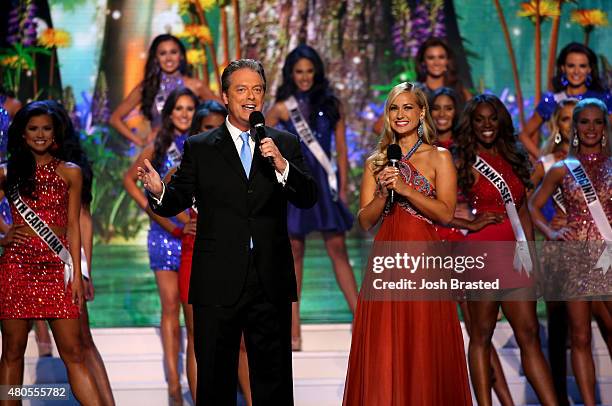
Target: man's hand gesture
{"x":150,"y":179}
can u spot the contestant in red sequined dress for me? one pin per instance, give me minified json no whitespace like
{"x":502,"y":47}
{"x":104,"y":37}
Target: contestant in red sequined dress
{"x":407,"y":352}
{"x":32,"y":277}
{"x":32,"y":284}
{"x":486,"y":129}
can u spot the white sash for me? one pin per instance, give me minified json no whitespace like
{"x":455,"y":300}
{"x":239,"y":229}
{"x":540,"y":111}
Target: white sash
{"x":44,"y":232}
{"x":174,"y":155}
{"x":547,"y":162}
{"x":597,"y":213}
{"x":522,"y":260}
{"x":305,"y":133}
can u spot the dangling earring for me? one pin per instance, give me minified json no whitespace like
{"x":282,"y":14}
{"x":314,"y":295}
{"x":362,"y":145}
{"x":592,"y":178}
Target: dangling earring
{"x":588,"y":81}
{"x":563,"y":80}
{"x":575,"y":141}
{"x":558,"y":138}
{"x":603,"y":140}
{"x":420,"y":130}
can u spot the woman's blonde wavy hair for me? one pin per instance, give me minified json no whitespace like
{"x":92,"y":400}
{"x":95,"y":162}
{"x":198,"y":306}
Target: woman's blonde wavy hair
{"x":583,"y":104}
{"x":549,"y":146}
{"x":378,"y":158}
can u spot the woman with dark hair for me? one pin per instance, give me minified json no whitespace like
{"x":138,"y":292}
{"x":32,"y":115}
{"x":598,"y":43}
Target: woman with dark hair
{"x":435,"y":65}
{"x":165,"y":70}
{"x":164,"y":239}
{"x":576,"y":77}
{"x":490,"y":162}
{"x":306,"y":106}
{"x":444,"y":113}
{"x":406,"y":352}
{"x":40,"y":268}
{"x":74,"y":153}
{"x":585,"y":179}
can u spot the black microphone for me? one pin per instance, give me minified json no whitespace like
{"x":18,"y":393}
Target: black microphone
{"x":394,"y":155}
{"x":257,"y":122}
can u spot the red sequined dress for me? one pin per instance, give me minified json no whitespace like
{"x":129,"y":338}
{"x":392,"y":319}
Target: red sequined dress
{"x":484,"y":197}
{"x":406,"y":352}
{"x":31,"y":275}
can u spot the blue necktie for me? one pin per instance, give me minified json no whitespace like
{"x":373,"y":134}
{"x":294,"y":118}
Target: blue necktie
{"x":246,"y":158}
{"x":245,"y":153}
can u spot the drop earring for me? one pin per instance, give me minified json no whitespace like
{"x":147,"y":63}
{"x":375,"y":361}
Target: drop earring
{"x":563,"y":80}
{"x":588,"y":81}
{"x":575,"y":141}
{"x":603,"y":140}
{"x":420,"y":130}
{"x":558,"y":138}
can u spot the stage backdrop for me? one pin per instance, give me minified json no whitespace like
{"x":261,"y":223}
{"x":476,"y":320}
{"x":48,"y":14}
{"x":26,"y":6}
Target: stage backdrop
{"x":91,"y":53}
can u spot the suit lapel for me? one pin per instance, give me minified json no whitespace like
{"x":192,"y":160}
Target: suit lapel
{"x":226,"y":146}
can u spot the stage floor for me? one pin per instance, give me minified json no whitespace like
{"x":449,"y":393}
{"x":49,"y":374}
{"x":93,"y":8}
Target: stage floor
{"x":126,"y":294}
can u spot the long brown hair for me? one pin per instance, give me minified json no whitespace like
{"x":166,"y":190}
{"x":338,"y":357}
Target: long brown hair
{"x":379,"y":155}
{"x":506,"y":142}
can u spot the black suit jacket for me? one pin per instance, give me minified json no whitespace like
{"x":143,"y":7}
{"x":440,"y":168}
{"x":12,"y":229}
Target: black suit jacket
{"x":232,"y":209}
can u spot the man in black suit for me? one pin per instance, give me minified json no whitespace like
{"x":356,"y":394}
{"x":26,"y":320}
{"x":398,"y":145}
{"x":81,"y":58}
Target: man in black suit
{"x":243,"y":277}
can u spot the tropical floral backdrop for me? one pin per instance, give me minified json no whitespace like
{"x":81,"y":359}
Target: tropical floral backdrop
{"x":90,"y":53}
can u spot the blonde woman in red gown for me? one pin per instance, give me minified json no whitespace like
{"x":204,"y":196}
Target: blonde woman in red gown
{"x":407,"y":352}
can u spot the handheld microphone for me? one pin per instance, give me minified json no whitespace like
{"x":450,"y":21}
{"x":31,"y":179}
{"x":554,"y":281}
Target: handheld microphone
{"x":394,"y":155}
{"x":257,"y":122}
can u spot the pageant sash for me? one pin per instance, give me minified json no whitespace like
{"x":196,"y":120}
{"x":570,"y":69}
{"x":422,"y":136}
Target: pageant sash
{"x":547,"y":162}
{"x":174,"y":155}
{"x":522,"y":259}
{"x":597,"y":213}
{"x":305,"y":134}
{"x":44,"y":232}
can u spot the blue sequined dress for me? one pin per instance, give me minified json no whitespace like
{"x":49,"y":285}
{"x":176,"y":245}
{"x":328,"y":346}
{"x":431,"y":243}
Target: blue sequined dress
{"x":5,"y":121}
{"x":549,"y":101}
{"x":327,"y":214}
{"x":167,"y":83}
{"x":164,"y":248}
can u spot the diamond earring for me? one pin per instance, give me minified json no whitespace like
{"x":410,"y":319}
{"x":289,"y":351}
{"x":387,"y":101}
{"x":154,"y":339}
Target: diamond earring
{"x":558,"y":138}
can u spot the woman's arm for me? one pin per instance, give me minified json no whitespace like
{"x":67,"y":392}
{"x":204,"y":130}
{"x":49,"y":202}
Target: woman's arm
{"x":372,"y":199}
{"x":86,"y":225}
{"x":441,"y":209}
{"x":131,"y":187}
{"x":552,"y":180}
{"x":72,"y":173}
{"x":128,"y":104}
{"x":276,"y":113}
{"x":342,"y":156}
{"x":201,"y":89}
{"x":526,"y":136}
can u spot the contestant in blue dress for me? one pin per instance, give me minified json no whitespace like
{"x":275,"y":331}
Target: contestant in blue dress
{"x":576,"y":77}
{"x":305,"y":106}
{"x":164,"y":240}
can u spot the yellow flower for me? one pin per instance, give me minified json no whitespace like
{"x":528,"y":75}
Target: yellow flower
{"x":214,"y":87}
{"x":53,"y":37}
{"x":590,"y":17}
{"x":197,"y":32}
{"x":14,"y":61}
{"x":547,"y":9}
{"x":207,"y":5}
{"x":196,"y":57}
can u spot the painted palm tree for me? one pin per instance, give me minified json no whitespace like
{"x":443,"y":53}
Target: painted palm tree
{"x":537,"y":11}
{"x":515,"y":74}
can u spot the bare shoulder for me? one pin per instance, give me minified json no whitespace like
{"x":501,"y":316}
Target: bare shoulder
{"x":69,"y":171}
{"x":558,"y":169}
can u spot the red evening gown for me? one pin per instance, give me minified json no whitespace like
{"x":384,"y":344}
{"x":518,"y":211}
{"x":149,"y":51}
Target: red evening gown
{"x":184,"y":271}
{"x":31,"y":275}
{"x":407,"y":353}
